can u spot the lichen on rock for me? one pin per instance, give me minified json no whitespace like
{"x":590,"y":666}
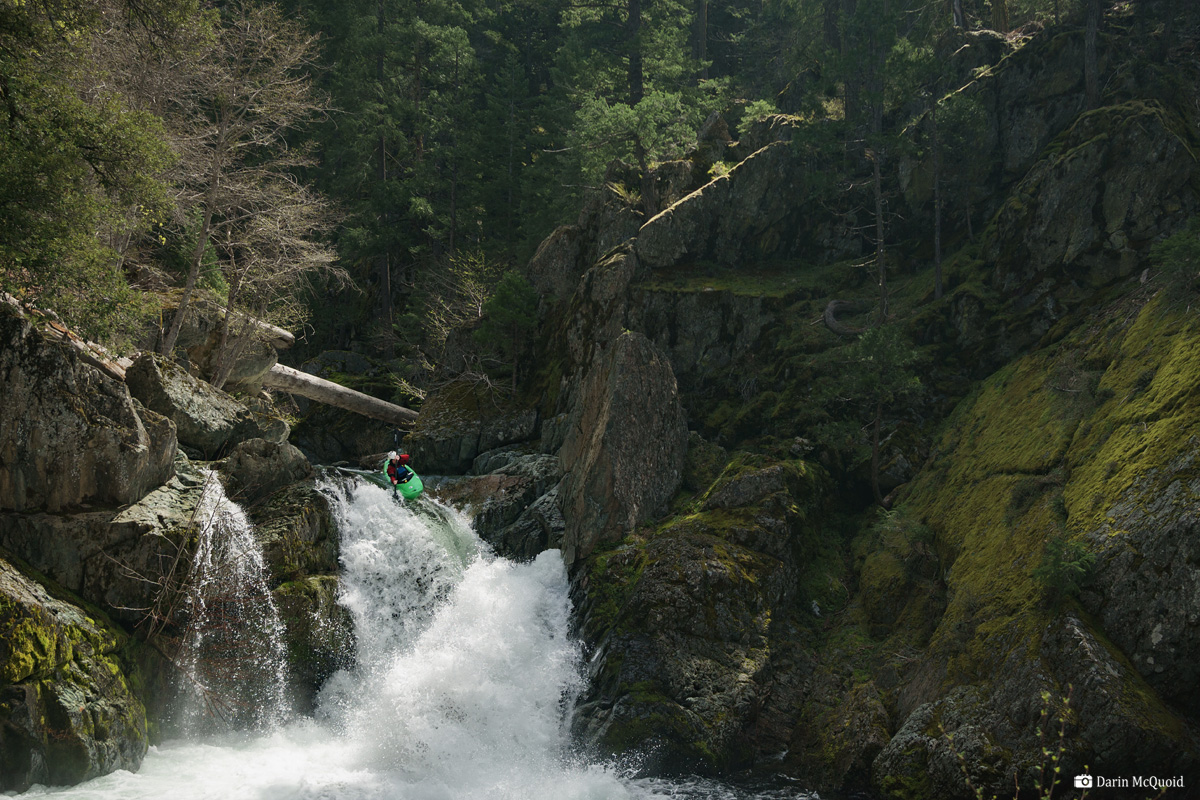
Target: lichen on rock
{"x":66,"y":711}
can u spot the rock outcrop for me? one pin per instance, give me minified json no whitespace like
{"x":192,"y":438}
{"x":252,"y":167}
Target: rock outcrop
{"x":256,"y":468}
{"x":687,"y":621}
{"x":1054,"y":461}
{"x":461,"y":420}
{"x":700,"y":227}
{"x":70,"y":434}
{"x":116,"y":559}
{"x":625,"y":444}
{"x":67,"y":713}
{"x":97,"y":497}
{"x":207,"y":419}
{"x":511,"y":499}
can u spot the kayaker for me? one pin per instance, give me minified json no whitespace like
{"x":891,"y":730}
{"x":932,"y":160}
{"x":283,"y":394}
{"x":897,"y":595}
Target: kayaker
{"x":397,"y":472}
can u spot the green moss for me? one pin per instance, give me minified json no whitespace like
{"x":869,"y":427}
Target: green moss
{"x":612,"y":577}
{"x":1151,"y":415}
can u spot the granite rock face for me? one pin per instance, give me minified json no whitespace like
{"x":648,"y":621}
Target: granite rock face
{"x":71,"y":435}
{"x":625,"y":445}
{"x":66,"y":711}
{"x":295,"y":527}
{"x":460,"y":421}
{"x":113,"y":558}
{"x":257,"y":467}
{"x":207,"y":419}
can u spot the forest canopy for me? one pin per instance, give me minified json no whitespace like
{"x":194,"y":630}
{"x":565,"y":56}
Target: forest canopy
{"x":263,"y":154}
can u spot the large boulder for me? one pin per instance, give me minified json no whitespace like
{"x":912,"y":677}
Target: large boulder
{"x":207,"y":419}
{"x":66,"y":710}
{"x":200,"y":338}
{"x":540,"y":526}
{"x":461,"y":420}
{"x":625,"y":445}
{"x":256,"y":468}
{"x":70,"y":434}
{"x":125,"y":561}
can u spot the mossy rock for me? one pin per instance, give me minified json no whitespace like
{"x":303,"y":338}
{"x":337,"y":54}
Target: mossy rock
{"x":65,"y":703}
{"x":318,"y":635}
{"x":295,"y":528}
{"x":1091,"y":440}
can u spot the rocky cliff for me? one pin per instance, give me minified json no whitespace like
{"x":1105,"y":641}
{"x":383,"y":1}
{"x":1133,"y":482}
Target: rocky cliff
{"x":748,"y":606}
{"x":98,"y":519}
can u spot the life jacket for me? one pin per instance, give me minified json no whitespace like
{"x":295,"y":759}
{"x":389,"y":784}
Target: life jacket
{"x":398,"y":472}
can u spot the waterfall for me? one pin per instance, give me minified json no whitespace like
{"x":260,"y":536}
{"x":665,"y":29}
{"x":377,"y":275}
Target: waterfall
{"x":465,"y":672}
{"x":232,"y":654}
{"x":463,"y":682}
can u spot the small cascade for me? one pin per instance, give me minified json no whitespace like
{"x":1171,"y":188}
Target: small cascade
{"x":232,"y":653}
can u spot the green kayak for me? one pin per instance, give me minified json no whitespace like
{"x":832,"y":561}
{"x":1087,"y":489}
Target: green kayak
{"x":409,"y":489}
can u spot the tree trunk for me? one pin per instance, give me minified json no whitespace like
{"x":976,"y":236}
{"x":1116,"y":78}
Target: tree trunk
{"x":454,"y":167}
{"x":633,"y":25}
{"x":1091,"y":71}
{"x":960,"y":19}
{"x":234,"y":351}
{"x":833,"y":38}
{"x":221,"y":365}
{"x":700,"y":37}
{"x":168,"y":341}
{"x":879,"y":255}
{"x":967,"y":213}
{"x":649,"y":191}
{"x":1000,"y":15}
{"x":878,"y":65}
{"x":330,"y":393}
{"x":937,"y":204}
{"x":384,"y":265}
{"x":637,"y":90}
{"x":852,"y":100}
{"x":875,"y":454}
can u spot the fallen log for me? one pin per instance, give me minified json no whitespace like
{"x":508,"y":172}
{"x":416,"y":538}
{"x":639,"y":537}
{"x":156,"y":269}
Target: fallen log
{"x":333,"y":394}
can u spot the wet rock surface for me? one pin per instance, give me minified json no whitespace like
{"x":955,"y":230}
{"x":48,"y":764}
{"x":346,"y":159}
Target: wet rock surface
{"x":66,"y":711}
{"x":257,"y":467}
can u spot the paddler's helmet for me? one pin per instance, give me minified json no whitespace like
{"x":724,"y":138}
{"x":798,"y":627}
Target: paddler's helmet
{"x":392,"y":456}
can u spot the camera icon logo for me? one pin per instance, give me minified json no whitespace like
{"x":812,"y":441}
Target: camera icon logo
{"x":1083,"y":781}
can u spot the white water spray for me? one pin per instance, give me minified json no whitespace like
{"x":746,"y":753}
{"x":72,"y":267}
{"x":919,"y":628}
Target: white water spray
{"x":232,"y":654}
{"x":463,"y":684}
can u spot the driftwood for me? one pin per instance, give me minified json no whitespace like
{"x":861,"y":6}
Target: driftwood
{"x":330,"y":393}
{"x":834,"y":308}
